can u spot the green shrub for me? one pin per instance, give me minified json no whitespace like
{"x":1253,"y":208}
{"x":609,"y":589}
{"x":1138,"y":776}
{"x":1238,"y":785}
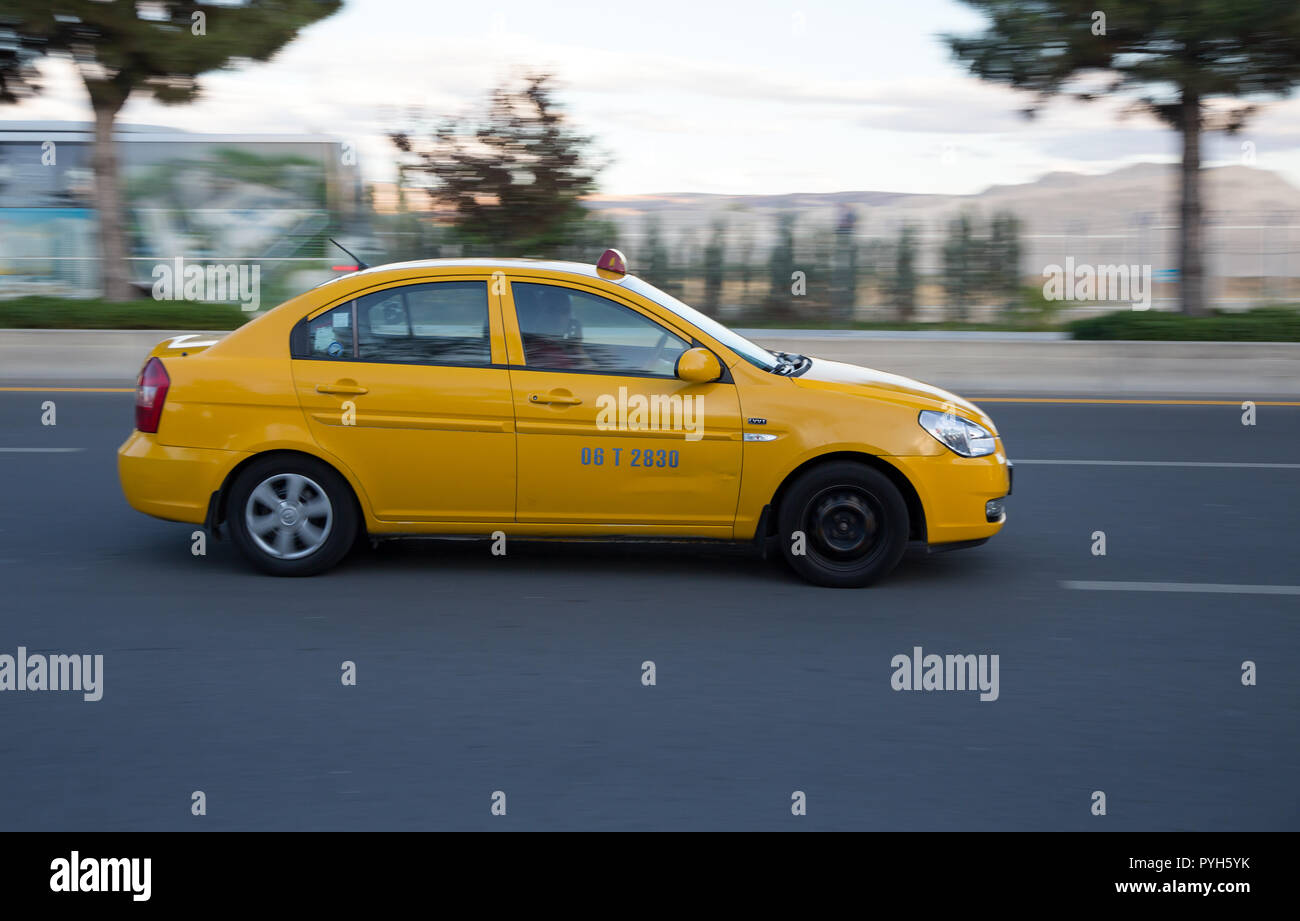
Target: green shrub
{"x":93,"y":313}
{"x":1263,"y":324}
{"x":1033,"y":310}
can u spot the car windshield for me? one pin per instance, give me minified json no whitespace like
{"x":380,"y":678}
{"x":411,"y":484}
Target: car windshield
{"x":755,"y":355}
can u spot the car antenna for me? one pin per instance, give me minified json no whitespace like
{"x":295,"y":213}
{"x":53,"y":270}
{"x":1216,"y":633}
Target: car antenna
{"x":360,"y":265}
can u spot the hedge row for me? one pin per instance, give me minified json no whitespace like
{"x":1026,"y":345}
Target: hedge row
{"x":92,"y":313}
{"x":1263,"y":324}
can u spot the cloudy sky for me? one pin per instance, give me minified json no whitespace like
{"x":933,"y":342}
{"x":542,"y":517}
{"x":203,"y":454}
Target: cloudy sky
{"x":706,"y":96}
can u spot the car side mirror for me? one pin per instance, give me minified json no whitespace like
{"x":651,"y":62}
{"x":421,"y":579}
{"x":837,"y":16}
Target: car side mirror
{"x":698,"y":366}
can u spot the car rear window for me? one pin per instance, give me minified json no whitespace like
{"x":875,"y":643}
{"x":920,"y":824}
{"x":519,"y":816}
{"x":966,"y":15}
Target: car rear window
{"x":443,"y":323}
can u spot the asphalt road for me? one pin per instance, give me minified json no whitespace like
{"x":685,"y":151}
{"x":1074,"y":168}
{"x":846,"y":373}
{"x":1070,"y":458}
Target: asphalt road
{"x":522,"y":674}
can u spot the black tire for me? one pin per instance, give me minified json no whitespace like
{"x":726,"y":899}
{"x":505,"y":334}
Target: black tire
{"x":317,"y":540}
{"x":854,"y":523}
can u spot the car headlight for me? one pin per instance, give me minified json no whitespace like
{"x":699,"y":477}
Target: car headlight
{"x":960,"y":435}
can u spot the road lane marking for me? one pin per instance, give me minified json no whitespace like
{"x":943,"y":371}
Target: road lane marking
{"x":1106,"y":402}
{"x":1211,"y":588}
{"x":67,"y":390}
{"x":40,"y":450}
{"x":1124,"y":463}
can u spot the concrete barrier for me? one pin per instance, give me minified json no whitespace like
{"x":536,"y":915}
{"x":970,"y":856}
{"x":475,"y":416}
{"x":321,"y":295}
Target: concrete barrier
{"x":985,"y":365}
{"x":79,"y":357}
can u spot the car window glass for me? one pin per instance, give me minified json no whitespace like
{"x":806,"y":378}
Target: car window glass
{"x":329,"y":335}
{"x":566,"y":329}
{"x":435,"y":323}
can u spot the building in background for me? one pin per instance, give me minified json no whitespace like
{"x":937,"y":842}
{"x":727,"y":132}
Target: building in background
{"x":260,"y":199}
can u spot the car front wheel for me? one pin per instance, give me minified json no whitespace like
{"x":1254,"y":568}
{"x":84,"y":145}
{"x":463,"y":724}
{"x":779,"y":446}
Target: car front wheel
{"x":843,"y":525}
{"x":291,"y":516}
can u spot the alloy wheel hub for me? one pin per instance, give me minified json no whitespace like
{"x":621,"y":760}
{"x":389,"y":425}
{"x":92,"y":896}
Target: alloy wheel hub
{"x":288,"y":516}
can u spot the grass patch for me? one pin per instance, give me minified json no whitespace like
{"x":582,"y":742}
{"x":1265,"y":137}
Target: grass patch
{"x":94,"y":313}
{"x":1263,"y":324}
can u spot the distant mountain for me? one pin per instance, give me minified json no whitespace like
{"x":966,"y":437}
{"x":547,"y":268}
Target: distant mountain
{"x":1148,"y":188}
{"x":1128,"y":215}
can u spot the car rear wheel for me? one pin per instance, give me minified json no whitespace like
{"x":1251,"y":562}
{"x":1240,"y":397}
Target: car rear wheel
{"x":843,"y":525}
{"x":291,"y":515}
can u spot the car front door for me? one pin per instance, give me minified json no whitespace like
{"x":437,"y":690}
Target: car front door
{"x":607,"y":434}
{"x":400,"y":384}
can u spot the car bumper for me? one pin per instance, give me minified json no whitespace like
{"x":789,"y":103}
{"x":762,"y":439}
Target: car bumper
{"x":170,"y":482}
{"x":957,"y":493}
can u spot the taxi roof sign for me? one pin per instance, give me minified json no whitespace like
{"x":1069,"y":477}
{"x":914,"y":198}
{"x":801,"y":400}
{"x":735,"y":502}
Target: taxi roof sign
{"x":613,"y":262}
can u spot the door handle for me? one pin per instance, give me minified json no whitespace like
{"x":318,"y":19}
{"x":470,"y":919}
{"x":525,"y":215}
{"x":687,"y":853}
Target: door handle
{"x":567,"y":399}
{"x":349,"y":387}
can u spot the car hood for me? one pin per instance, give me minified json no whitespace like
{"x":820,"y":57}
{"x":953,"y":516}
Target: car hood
{"x":843,"y":376}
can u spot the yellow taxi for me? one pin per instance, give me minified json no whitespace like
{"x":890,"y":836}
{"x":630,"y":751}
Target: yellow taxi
{"x":547,"y":400}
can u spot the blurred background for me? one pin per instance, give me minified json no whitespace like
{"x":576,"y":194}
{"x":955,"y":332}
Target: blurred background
{"x":808,"y":166}
{"x":797,"y":168}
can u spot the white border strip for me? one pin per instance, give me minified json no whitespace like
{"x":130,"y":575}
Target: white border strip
{"x":1209,"y":588}
{"x":40,"y":450}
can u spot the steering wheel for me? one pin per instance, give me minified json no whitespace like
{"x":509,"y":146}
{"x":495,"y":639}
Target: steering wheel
{"x":659,"y":349}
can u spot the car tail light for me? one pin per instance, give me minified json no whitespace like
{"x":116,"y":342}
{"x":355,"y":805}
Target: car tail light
{"x":150,"y":394}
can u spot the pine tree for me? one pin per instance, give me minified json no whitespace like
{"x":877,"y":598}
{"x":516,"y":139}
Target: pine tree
{"x":1182,"y":54}
{"x":902,"y":281}
{"x":514,"y":175}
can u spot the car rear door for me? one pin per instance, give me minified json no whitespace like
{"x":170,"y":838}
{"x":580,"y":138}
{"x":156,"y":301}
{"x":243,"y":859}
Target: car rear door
{"x":407,"y":386}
